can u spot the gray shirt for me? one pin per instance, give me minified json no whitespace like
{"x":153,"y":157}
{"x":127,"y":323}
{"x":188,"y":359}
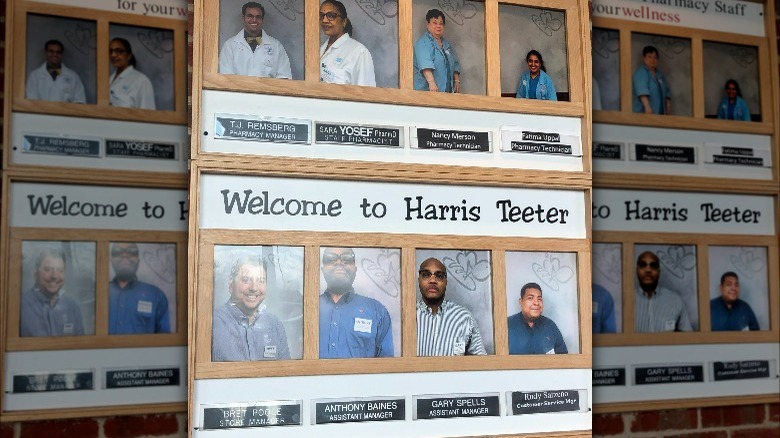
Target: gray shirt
{"x":664,"y":312}
{"x":452,"y":331}
{"x":235,"y":339}
{"x":40,"y":318}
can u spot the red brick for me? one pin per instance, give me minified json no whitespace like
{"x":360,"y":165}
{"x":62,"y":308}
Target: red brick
{"x":76,"y":428}
{"x":652,"y":421}
{"x":150,"y":425}
{"x":767,"y":432}
{"x":608,"y":424}
{"x":774,"y":412}
{"x":732,"y":415}
{"x":6,"y":431}
{"x":715,"y":434}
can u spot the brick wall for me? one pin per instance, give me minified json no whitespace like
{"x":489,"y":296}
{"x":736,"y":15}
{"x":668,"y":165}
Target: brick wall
{"x":161,"y":426}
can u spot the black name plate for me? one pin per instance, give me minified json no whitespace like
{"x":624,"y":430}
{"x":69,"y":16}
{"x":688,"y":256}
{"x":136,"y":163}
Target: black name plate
{"x":136,"y":378}
{"x":751,"y":369}
{"x":609,"y":377}
{"x":665,"y":154}
{"x":543,"y":148}
{"x":545,"y":401}
{"x":458,"y":406}
{"x":548,"y":137}
{"x":738,"y":160}
{"x":262,"y":415}
{"x":272,"y":131}
{"x":360,"y":410}
{"x":668,"y":374}
{"x":50,"y":382}
{"x":140,"y":149}
{"x":607,"y":151}
{"x":61,"y":146}
{"x":358,"y":134}
{"x":736,"y":150}
{"x":453,"y":140}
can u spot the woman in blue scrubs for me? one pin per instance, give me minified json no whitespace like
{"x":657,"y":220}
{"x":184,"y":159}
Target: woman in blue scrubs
{"x":436,"y":66}
{"x":650,"y":89}
{"x":535,"y":83}
{"x":733,"y":107}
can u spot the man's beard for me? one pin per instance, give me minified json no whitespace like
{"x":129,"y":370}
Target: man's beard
{"x":649,"y":287}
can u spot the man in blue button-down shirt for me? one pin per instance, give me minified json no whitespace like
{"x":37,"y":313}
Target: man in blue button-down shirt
{"x":529,"y":331}
{"x":351,"y":325}
{"x":728,"y":312}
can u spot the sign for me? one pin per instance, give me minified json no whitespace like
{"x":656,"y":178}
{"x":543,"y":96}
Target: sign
{"x":262,"y":129}
{"x":608,"y":151}
{"x":133,"y":378}
{"x":665,"y":154}
{"x":453,"y":140}
{"x":49,"y":382}
{"x":173,"y":9}
{"x":44,"y":144}
{"x":244,"y":415}
{"x":609,"y":377}
{"x":140,"y":149}
{"x":367,"y":135}
{"x":752,"y":369}
{"x":651,"y":375}
{"x":539,"y":142}
{"x":544,"y":401}
{"x":357,"y":410}
{"x":450,"y":406}
{"x":737,"y":155}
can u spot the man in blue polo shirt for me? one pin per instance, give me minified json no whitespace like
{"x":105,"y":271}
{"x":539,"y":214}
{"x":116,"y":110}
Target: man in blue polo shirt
{"x":728,"y":312}
{"x":133,"y":306}
{"x":529,"y":331}
{"x":351,"y":325}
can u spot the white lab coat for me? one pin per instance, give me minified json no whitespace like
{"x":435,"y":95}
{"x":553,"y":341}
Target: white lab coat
{"x":346,"y":62}
{"x":269,"y":60}
{"x":66,"y":88}
{"x":132,"y":89}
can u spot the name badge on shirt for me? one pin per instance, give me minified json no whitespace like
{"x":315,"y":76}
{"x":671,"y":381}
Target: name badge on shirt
{"x":269,"y":50}
{"x":595,"y":307}
{"x":460,"y":348}
{"x":746,"y":328}
{"x":67,"y":328}
{"x":269,"y":351}
{"x":669,"y":326}
{"x":144,"y":306}
{"x":552,"y":351}
{"x":363,"y":325}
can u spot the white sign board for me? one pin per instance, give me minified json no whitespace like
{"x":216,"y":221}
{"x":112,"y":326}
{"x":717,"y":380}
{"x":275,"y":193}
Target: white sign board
{"x":175,"y":9}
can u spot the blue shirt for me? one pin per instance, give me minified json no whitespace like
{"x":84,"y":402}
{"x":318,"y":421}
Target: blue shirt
{"x":355,"y":326}
{"x":138,"y":308}
{"x":738,"y":111}
{"x":442,"y":60}
{"x":603,"y":311}
{"x":739,"y":317}
{"x":235,"y":339}
{"x":545,"y":89}
{"x":40,"y":318}
{"x":656,"y":88}
{"x":543,"y":338}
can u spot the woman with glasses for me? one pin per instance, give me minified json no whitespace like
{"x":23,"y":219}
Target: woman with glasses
{"x":129,"y":87}
{"x":535,"y":83}
{"x":733,"y":107}
{"x":343,"y":60}
{"x":436,"y":65}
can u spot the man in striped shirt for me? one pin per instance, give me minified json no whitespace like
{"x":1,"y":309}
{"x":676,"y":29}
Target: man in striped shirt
{"x":656,"y":309}
{"x":443,"y":327}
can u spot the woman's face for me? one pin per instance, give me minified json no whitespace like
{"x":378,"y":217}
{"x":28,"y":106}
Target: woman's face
{"x":651,"y":61}
{"x":118,"y":55}
{"x":331,"y":21}
{"x":534,"y":64}
{"x":731,"y":91}
{"x":436,"y":27}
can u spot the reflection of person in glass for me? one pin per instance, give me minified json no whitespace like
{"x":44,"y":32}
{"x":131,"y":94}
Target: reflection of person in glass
{"x":242,"y":329}
{"x":134,"y":306}
{"x":52,"y":80}
{"x":129,"y":87}
{"x":733,"y":106}
{"x":252,"y":52}
{"x":436,"y":65}
{"x":45,"y":311}
{"x":656,"y":309}
{"x":728,"y":312}
{"x":650,"y":89}
{"x":351,"y":325}
{"x":530,"y":332}
{"x":603,"y":311}
{"x":535,"y":83}
{"x":343,"y":60}
{"x":443,"y":327}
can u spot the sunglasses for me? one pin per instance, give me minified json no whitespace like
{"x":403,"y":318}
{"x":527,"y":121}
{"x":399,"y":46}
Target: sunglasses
{"x":346,"y":258}
{"x":329,"y":15}
{"x":644,"y":264}
{"x":126,"y":252}
{"x":426,"y":274}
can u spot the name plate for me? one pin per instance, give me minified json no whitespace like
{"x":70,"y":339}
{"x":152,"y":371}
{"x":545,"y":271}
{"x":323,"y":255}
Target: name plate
{"x":44,"y":144}
{"x":665,"y":154}
{"x":265,"y":129}
{"x":534,"y":142}
{"x":134,"y":378}
{"x":453,"y":140}
{"x":668,"y":374}
{"x":460,"y":405}
{"x":140,"y":149}
{"x":737,"y":155}
{"x":357,"y":410}
{"x":363,"y":135}
{"x":751,"y":369}
{"x":609,"y":377}
{"x":50,"y":382}
{"x":544,"y":401}
{"x":244,"y":415}
{"x":608,"y":151}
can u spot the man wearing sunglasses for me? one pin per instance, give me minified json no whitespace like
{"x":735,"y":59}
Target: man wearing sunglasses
{"x":134,"y":306}
{"x":656,"y":309}
{"x":443,"y":327}
{"x":351,"y":325}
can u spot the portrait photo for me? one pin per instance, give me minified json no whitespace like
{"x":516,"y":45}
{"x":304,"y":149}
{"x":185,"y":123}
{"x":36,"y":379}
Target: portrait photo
{"x":607,"y":292}
{"x":542,"y":303}
{"x":739,"y":288}
{"x":731,"y":67}
{"x":61,"y":59}
{"x":258,"y":303}
{"x":360,"y":302}
{"x":669,"y":60}
{"x":142,"y":288}
{"x":606,"y":69}
{"x":57,"y":289}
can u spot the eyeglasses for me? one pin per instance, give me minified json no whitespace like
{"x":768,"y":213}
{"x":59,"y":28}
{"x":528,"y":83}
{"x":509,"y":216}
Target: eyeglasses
{"x":124,"y":252}
{"x":348,"y":258}
{"x":118,"y":51}
{"x":426,"y":274}
{"x":329,"y":15}
{"x":644,"y":264}
{"x":731,"y":89}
